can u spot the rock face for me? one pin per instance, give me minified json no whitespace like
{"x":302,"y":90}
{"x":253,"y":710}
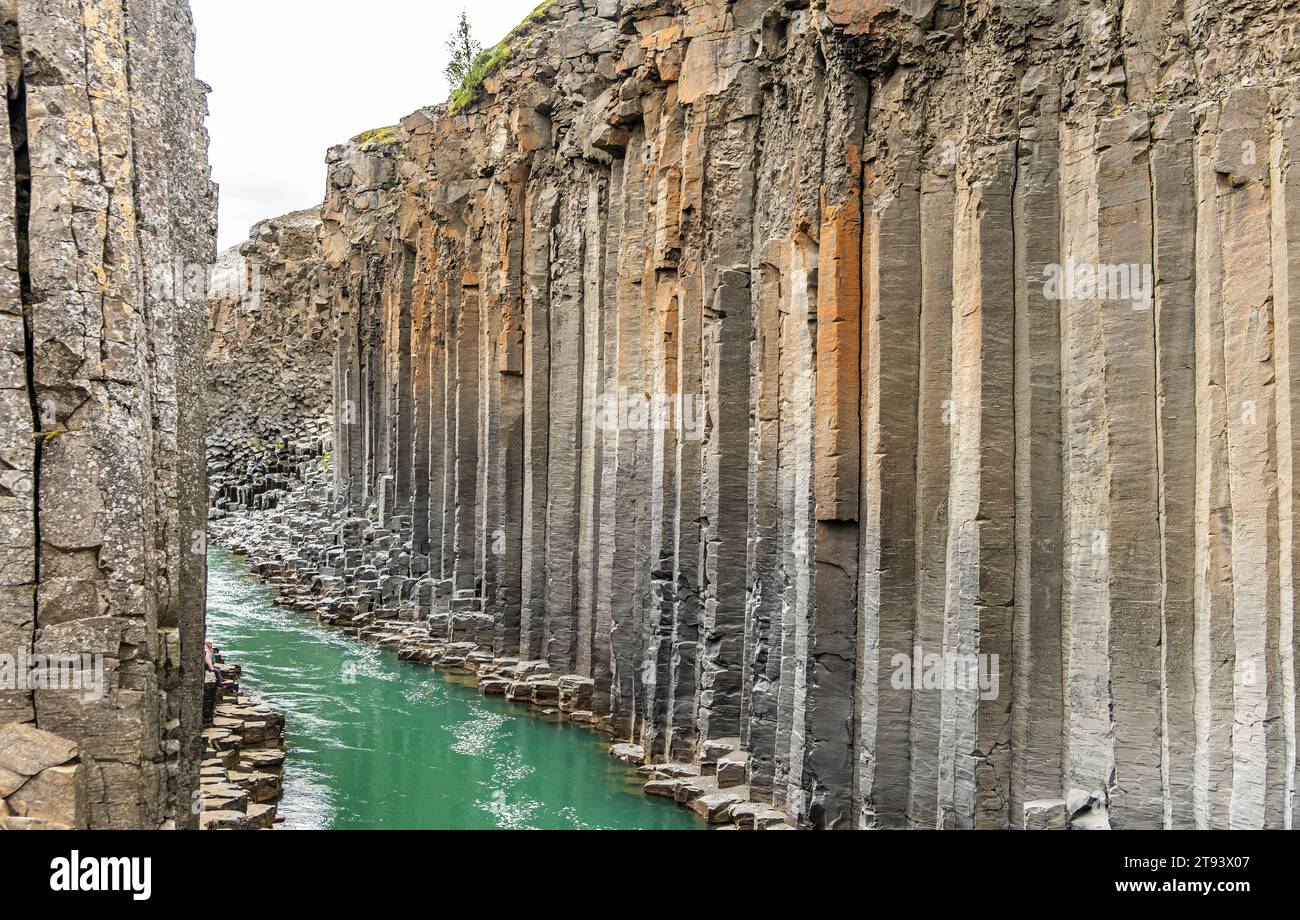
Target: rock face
{"x":904,"y":389}
{"x":243,"y":766}
{"x":269,"y":364}
{"x":106,"y":230}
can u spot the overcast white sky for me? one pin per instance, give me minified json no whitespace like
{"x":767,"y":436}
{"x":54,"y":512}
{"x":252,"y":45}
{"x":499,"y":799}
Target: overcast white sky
{"x":291,"y":78}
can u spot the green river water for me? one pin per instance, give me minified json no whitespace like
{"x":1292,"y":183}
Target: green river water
{"x":374,"y":742}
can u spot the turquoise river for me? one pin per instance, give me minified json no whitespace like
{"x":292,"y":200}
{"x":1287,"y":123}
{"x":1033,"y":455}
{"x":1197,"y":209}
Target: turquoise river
{"x":374,"y":742}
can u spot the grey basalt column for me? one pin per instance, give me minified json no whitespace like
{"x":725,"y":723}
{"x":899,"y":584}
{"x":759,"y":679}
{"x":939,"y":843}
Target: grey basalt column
{"x":1174,"y":213}
{"x":933,"y":458}
{"x":687,"y":533}
{"x":607,"y":491}
{"x":1036,"y":690}
{"x":507,"y":544}
{"x":564,"y":417}
{"x":19,"y":416}
{"x":592,"y":434}
{"x":1086,"y":755}
{"x":371,"y":405}
{"x":668,"y":415}
{"x":887,"y":587}
{"x":422,"y":359}
{"x":799,"y":381}
{"x":1259,"y":782}
{"x":1285,"y":183}
{"x":730,"y":174}
{"x":1213,"y":777}
{"x":402,"y":462}
{"x":763,"y":646}
{"x":564,"y":414}
{"x":103,"y":551}
{"x":830,"y":751}
{"x":464,"y":568}
{"x":1132,"y":533}
{"x":490,"y":537}
{"x":974,"y":766}
{"x":539,"y":219}
{"x":628,"y":518}
{"x":376,"y":298}
{"x":442,"y":500}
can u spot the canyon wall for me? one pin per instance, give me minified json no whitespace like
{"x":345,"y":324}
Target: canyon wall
{"x":901,"y":391}
{"x":269,"y":364}
{"x":107,"y":220}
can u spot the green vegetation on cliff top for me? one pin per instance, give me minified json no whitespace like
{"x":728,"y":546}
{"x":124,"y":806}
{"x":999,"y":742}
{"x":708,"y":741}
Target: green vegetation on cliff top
{"x":488,"y":62}
{"x":375,"y":136}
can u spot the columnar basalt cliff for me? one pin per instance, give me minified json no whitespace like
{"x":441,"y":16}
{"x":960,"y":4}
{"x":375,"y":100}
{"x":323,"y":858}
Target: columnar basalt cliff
{"x":269,"y":364}
{"x":899,"y":393}
{"x":105,"y":209}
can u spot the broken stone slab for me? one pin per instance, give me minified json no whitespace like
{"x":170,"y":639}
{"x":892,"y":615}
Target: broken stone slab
{"x":575,"y":692}
{"x":692,"y":788}
{"x":261,"y":787}
{"x":669,"y":770}
{"x":9,"y":781}
{"x":716,"y":748}
{"x":545,"y":692}
{"x":417,"y":654}
{"x":224,"y":820}
{"x":56,"y":794}
{"x":261,"y":816}
{"x":733,"y":769}
{"x":628,"y":753}
{"x":15,"y":823}
{"x":224,"y":797}
{"x":263,"y":761}
{"x":1088,"y":811}
{"x":715,"y":807}
{"x":756,"y":816}
{"x":27,"y":750}
{"x":667,"y":788}
{"x":519,"y":691}
{"x":1046,"y":815}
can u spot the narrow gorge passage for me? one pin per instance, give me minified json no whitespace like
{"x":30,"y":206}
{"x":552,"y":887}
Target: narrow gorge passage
{"x":820,"y":414}
{"x":377,"y":743}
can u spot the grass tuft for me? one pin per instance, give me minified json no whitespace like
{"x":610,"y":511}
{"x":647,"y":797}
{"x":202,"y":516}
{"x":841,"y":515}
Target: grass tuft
{"x":489,"y":61}
{"x":376,"y":137}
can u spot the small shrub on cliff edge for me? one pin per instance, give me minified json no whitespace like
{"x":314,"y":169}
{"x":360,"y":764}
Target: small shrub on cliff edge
{"x":464,"y":51}
{"x":488,"y":61}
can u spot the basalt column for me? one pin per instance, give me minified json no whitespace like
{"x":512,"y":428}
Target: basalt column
{"x":887,"y":407}
{"x":107,"y":231}
{"x":269,"y":362}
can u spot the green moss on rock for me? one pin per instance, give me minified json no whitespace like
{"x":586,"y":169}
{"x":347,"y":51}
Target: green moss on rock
{"x":489,"y":61}
{"x":375,"y":136}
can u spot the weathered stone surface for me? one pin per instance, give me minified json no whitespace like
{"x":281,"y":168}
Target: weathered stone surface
{"x":245,"y":773}
{"x":269,"y":364}
{"x":909,"y":448}
{"x":26,"y":750}
{"x":107,"y":218}
{"x":56,"y":794}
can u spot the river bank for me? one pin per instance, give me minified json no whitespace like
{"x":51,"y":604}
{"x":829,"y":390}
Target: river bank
{"x":374,"y":742}
{"x":242,"y":773}
{"x":353,"y":576}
